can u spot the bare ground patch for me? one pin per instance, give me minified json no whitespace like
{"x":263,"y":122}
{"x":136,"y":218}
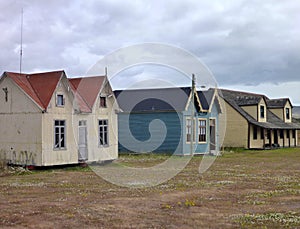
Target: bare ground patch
{"x":245,"y":189}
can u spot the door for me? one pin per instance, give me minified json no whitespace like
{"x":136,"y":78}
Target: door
{"x":82,"y":141}
{"x":212,"y":136}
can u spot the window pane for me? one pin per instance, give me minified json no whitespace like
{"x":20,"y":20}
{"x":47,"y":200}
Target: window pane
{"x":202,"y":131}
{"x":103,"y":132}
{"x":60,"y":100}
{"x":59,"y":134}
{"x":102,"y":101}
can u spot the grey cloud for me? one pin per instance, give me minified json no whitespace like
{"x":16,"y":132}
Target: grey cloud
{"x":242,"y":42}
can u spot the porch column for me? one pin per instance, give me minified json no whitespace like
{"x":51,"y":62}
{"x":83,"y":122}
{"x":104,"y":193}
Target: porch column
{"x":271,"y":138}
{"x":289,"y":137}
{"x":283,"y":137}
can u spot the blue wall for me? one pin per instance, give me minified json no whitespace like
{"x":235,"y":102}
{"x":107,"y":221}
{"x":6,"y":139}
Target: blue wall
{"x":200,"y":148}
{"x":139,"y":128}
{"x":175,"y":124}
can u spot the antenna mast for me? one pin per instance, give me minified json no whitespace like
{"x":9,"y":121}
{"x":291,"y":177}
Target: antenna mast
{"x":193,"y":114}
{"x":21,"y":42}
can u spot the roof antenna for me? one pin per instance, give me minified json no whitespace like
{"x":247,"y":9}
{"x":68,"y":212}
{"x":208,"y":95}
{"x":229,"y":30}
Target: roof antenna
{"x":21,"y":42}
{"x":105,"y":71}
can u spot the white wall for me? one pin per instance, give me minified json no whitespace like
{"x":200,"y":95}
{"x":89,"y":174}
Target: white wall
{"x":20,"y":126}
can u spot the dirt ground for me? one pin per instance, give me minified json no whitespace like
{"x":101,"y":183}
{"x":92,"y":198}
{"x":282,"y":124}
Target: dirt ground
{"x":249,"y":189}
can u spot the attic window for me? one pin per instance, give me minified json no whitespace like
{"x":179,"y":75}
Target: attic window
{"x":60,"y":102}
{"x":102,"y":101}
{"x":262,"y":111}
{"x":287,"y":113}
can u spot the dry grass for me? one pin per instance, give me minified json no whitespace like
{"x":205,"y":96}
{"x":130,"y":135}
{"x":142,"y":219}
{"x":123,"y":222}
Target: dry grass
{"x":249,"y":189}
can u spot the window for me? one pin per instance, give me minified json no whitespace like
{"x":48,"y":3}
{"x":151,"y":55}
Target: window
{"x":287,"y":113}
{"x":254,"y":132}
{"x":281,"y":133}
{"x":102,"y":101}
{"x":262,"y":133}
{"x":294,"y":133}
{"x":103,"y":132}
{"x":262,"y":111}
{"x":189,"y":130}
{"x":59,"y":134}
{"x":202,"y":131}
{"x":288,"y":133}
{"x":60,"y":100}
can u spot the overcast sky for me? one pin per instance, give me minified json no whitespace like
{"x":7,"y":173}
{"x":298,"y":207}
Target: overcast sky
{"x":247,"y":45}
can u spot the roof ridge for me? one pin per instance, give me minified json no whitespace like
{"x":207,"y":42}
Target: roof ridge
{"x":85,"y":77}
{"x":157,"y":88}
{"x":243,"y":92}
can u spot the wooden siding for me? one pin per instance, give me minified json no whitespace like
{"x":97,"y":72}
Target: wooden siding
{"x":257,"y":143}
{"x":278,"y":112}
{"x":21,"y":126}
{"x":139,"y":128}
{"x":251,"y":110}
{"x":236,"y":134}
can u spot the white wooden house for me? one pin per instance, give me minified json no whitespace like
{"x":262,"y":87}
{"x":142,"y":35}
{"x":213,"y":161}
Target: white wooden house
{"x":42,"y":117}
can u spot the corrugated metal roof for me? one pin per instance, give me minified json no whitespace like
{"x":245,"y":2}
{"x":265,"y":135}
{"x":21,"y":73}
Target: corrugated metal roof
{"x":206,"y":98}
{"x":39,"y":86}
{"x":153,"y":100}
{"x":277,"y":103}
{"x":273,"y":122}
{"x":86,"y":90}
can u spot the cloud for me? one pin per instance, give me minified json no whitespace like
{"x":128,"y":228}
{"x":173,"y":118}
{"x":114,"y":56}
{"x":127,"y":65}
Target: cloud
{"x":242,"y":42}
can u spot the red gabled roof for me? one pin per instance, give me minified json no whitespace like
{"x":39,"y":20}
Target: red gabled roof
{"x":39,"y":86}
{"x":86,"y":90}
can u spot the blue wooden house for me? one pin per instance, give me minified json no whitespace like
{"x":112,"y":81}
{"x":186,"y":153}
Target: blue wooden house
{"x":160,"y":121}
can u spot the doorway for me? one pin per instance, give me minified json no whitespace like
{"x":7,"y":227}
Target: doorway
{"x":82,"y":141}
{"x":212,"y":136}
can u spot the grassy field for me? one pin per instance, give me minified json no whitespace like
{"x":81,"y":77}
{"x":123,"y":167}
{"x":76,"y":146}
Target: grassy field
{"x":245,"y":189}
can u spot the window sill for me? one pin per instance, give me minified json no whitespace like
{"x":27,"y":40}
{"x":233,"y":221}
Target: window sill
{"x":202,"y":142}
{"x":59,"y":149}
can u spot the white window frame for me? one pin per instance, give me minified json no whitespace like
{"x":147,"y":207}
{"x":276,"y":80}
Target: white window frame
{"x":287,"y":113}
{"x":102,"y":133}
{"x":57,"y":146}
{"x":188,"y":127}
{"x":200,"y":129}
{"x":264,"y":111}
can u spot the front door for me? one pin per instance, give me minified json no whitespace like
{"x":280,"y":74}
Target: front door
{"x":82,"y":141}
{"x":212,"y":136}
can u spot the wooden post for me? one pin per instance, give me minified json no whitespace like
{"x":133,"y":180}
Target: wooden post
{"x":192,"y":113}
